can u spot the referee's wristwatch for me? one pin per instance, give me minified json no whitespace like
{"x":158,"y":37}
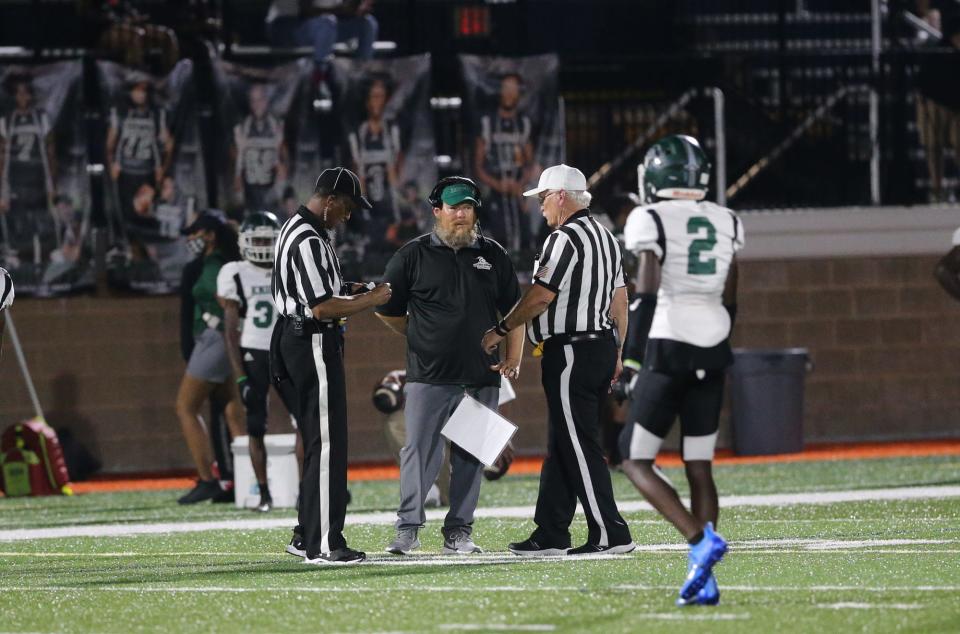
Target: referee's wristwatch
{"x":501,"y":328}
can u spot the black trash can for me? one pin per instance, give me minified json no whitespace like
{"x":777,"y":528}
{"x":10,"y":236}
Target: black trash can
{"x":767,"y":400}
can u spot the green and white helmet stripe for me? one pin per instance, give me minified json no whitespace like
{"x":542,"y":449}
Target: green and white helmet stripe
{"x":674,"y":167}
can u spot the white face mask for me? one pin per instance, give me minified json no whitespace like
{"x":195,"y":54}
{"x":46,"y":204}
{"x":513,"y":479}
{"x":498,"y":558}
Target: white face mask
{"x":196,"y":245}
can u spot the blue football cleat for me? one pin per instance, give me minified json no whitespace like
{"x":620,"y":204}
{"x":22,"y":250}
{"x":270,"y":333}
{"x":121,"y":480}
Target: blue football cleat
{"x":703,"y":556}
{"x":709,"y":595}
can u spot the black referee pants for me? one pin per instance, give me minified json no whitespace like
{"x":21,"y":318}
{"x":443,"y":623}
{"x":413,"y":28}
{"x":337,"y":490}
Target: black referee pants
{"x":576,"y":377}
{"x":314,"y":363}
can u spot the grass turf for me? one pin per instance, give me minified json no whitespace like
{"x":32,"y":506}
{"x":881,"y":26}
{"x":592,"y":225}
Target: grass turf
{"x":791,"y":568}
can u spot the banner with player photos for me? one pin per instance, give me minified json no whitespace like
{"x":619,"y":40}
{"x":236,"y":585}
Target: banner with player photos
{"x":387,"y":139}
{"x":268,"y":148}
{"x":44,"y":187}
{"x":513,"y":129}
{"x":154,"y":181}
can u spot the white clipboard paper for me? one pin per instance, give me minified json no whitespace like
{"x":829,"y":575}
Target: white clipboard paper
{"x":478,"y":430}
{"x":507,"y":392}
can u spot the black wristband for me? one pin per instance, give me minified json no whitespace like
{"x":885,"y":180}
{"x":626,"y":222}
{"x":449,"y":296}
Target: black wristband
{"x":501,"y":328}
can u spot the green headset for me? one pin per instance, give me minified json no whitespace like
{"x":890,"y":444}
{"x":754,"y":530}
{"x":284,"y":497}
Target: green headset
{"x":434,"y":197}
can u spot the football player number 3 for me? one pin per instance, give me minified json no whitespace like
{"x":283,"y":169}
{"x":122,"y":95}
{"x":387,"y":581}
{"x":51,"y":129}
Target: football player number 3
{"x":264,"y":315}
{"x":699,"y":260}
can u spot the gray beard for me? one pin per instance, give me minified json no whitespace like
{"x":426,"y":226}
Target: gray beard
{"x":456,"y":240}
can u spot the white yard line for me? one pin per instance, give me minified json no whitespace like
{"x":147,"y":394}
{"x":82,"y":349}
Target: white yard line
{"x":520,"y":512}
{"x":836,"y":544}
{"x":806,"y":550}
{"x":420,"y":589}
{"x":870,"y":606}
{"x":296,"y":589}
{"x":689,"y":615}
{"x":496,"y":627}
{"x":803,"y":545}
{"x":771,"y":547}
{"x":820,"y":588}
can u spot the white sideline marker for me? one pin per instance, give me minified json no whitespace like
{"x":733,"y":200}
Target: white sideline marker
{"x":522,"y":512}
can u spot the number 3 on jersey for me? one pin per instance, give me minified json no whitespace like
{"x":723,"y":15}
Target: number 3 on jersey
{"x":264,"y":315}
{"x":697,"y":264}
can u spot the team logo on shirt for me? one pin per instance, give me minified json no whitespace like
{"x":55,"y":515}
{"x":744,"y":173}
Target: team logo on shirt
{"x":482,"y":264}
{"x":542,"y":272}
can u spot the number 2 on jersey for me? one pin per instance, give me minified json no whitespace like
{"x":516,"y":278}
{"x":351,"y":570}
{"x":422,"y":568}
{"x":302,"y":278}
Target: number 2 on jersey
{"x":264,"y":316}
{"x":696,"y":263}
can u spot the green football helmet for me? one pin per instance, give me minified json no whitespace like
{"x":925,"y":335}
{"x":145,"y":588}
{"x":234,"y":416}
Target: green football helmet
{"x":258,"y":236}
{"x":674,"y":167}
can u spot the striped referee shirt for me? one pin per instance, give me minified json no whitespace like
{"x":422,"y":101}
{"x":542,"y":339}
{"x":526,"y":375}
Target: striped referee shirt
{"x":306,"y":271}
{"x":6,"y":289}
{"x":582,"y":263}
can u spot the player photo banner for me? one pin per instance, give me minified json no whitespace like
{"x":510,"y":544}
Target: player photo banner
{"x":513,"y":128}
{"x":387,"y":139}
{"x":154,"y":180}
{"x":44,"y":187}
{"x":268,"y":154}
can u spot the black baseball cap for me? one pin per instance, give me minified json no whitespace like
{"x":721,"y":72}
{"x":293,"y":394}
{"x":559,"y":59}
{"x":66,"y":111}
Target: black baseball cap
{"x":209,"y":220}
{"x":340,"y":180}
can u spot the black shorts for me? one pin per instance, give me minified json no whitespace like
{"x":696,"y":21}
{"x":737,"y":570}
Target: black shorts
{"x":256,"y":363}
{"x":657,"y":400}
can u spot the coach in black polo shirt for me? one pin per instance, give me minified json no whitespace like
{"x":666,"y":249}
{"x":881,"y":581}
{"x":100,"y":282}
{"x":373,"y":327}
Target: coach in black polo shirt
{"x":449,"y":286}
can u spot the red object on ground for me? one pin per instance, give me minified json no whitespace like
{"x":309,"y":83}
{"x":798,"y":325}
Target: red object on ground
{"x":31,"y":461}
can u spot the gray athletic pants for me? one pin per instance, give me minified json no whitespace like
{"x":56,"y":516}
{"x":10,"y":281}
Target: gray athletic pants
{"x":426,"y":411}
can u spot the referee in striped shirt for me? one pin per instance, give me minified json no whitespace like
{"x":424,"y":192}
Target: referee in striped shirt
{"x":576,"y":303}
{"x":307,"y":349}
{"x":6,"y":290}
{"x":6,"y":300}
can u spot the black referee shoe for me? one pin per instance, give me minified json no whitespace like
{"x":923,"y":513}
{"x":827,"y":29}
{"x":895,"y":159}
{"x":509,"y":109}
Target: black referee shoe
{"x":532,"y":548}
{"x":596,"y":549}
{"x":341,"y":556}
{"x":296,"y":546}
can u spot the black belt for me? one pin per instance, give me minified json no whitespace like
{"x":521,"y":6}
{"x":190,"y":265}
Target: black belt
{"x":310,"y":325}
{"x":579,"y":337}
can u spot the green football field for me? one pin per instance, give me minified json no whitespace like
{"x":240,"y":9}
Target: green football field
{"x":842,"y":546}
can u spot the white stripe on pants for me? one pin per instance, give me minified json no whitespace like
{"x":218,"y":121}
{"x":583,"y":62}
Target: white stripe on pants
{"x":578,"y":450}
{"x":323,"y":396}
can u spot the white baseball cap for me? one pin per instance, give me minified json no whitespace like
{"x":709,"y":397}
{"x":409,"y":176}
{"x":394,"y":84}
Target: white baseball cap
{"x":559,"y":177}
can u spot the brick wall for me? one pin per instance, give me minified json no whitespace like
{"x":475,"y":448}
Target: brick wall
{"x":108,"y":369}
{"x":884,"y":338}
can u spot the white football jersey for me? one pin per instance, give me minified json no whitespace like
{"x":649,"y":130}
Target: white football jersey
{"x":956,"y":238}
{"x":249,"y":285}
{"x":696,"y":242}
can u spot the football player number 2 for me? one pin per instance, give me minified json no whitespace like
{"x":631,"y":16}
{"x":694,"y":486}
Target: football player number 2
{"x":699,"y":260}
{"x":263,"y":318}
